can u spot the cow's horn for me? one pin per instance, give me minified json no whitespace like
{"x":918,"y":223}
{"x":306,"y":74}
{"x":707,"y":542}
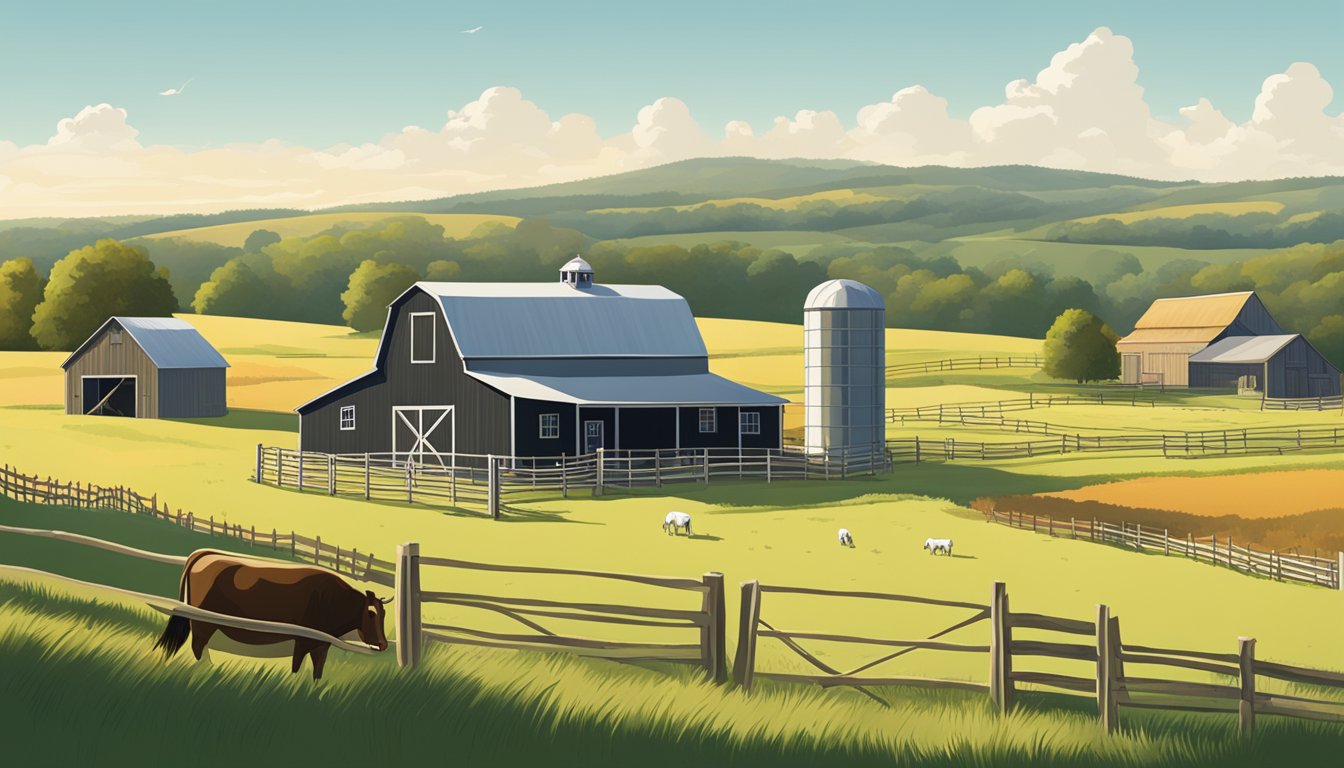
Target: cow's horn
{"x":384,"y":600}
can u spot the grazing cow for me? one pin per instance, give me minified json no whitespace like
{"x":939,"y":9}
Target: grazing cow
{"x":846,"y":540}
{"x":938,"y":545}
{"x":267,"y":590}
{"x":676,"y":521}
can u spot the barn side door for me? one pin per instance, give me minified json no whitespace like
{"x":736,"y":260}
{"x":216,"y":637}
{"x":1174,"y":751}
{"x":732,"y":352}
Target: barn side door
{"x":424,"y":435}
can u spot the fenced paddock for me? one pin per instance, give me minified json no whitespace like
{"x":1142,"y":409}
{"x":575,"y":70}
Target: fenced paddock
{"x":470,"y":480}
{"x":1270,"y":564}
{"x":348,"y":561}
{"x":1100,"y":657}
{"x":981,"y":363}
{"x":1302,"y":403}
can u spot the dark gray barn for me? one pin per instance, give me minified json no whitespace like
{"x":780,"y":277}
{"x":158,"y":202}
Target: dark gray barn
{"x":539,"y":369}
{"x":146,"y":367}
{"x":1278,"y":366}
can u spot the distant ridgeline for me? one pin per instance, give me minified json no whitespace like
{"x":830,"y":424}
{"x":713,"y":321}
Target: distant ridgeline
{"x":985,"y":250}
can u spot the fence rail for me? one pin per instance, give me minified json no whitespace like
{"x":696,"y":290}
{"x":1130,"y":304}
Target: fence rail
{"x":1303,"y":403}
{"x":471,"y":480}
{"x":1104,"y":652}
{"x":344,"y":560}
{"x":945,"y":412}
{"x":964,"y":364}
{"x":1171,"y":445}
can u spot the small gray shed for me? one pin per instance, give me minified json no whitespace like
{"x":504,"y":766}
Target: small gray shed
{"x":1278,"y":366}
{"x":146,"y":367}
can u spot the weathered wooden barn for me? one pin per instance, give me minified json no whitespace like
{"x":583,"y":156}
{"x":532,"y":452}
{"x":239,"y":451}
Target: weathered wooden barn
{"x":146,"y":367}
{"x":1225,"y":341}
{"x":538,"y":370}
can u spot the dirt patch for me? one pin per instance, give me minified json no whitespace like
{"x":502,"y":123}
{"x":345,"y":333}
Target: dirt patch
{"x":1250,"y":496}
{"x":1317,"y":532}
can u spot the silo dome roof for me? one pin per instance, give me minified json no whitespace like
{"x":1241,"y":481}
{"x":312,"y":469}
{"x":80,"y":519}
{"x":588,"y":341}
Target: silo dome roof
{"x":576,"y":264}
{"x":844,"y":294}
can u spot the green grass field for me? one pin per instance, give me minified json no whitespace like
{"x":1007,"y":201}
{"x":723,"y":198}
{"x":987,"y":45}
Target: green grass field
{"x":782,"y":533}
{"x":458,"y":225}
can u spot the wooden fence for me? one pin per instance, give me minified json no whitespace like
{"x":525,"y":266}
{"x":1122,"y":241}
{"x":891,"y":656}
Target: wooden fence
{"x":963,"y":364}
{"x":954,"y":412}
{"x":1172,"y":445}
{"x":1270,"y":564}
{"x":1104,"y":652}
{"x":1302,"y":404}
{"x":470,"y":480}
{"x":345,"y":560}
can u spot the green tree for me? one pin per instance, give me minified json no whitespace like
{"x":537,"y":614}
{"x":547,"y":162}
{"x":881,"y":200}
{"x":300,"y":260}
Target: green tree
{"x":241,"y":289}
{"x":372,"y":287}
{"x":21,"y":289}
{"x":259,"y":239}
{"x":94,"y":283}
{"x":1081,"y":347}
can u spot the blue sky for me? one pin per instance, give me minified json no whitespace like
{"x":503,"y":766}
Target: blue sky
{"x":324,"y":73}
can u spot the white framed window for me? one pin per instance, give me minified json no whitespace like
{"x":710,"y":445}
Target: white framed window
{"x":347,"y":417}
{"x":749,"y":422}
{"x":423,"y":341}
{"x":709,"y":421}
{"x":550,"y":425}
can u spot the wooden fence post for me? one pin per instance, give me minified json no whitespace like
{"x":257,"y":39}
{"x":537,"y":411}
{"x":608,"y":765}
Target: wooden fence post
{"x":1106,"y":706}
{"x":1339,"y":571}
{"x":744,"y":663}
{"x":408,"y":604}
{"x":1000,"y":654}
{"x":597,"y":484}
{"x":1246,"y":668}
{"x":712,"y":644}
{"x":299,"y":484}
{"x":706,"y":450}
{"x":366,"y":477}
{"x":492,"y":486}
{"x":257,"y":477}
{"x":331,"y":474}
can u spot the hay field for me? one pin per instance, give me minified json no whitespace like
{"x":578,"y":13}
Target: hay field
{"x":1231,"y":208}
{"x":1249,"y":496}
{"x":458,"y":225}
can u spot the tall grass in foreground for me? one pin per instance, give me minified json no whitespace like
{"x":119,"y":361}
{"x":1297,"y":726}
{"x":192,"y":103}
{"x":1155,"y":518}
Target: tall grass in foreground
{"x":80,"y":686}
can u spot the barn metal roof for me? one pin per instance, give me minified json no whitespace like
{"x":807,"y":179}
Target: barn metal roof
{"x":1243,"y":349}
{"x":690,"y":389}
{"x":549,"y":320}
{"x":169,"y":342}
{"x":1188,"y":319}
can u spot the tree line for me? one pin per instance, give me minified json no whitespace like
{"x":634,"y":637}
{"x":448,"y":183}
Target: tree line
{"x":348,"y":276}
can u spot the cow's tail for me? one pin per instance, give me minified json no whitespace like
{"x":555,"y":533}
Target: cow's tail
{"x":179,"y":627}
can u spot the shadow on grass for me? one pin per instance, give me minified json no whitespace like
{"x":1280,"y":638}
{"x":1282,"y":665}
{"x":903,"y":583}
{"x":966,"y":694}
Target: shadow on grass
{"x":244,"y":418}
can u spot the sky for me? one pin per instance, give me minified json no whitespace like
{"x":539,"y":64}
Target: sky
{"x":296,"y":86}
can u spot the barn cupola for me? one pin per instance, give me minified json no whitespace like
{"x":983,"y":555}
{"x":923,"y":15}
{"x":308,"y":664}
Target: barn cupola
{"x":577,"y":273}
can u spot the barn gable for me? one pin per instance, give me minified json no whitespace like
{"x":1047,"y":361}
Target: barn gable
{"x":1201,"y":320}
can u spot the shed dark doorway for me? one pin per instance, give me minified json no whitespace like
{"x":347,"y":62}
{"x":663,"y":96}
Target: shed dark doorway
{"x":109,"y":396}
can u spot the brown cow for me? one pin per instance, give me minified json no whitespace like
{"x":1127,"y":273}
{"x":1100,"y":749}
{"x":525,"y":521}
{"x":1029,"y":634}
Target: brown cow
{"x":268,"y":590}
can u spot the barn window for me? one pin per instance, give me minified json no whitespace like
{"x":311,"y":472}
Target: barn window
{"x":347,"y":417}
{"x":550,"y":425}
{"x":422,"y":337}
{"x":749,"y":422}
{"x":708,"y":420}
{"x":116,"y":335}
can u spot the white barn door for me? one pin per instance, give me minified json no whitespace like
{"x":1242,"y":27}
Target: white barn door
{"x":424,"y":434}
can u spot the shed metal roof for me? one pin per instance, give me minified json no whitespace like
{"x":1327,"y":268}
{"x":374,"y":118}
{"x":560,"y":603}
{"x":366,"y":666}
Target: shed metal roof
{"x":1243,"y":349}
{"x":690,"y":389}
{"x":539,"y":320}
{"x":169,"y":342}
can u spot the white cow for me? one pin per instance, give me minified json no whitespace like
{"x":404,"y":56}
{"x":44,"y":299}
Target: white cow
{"x":938,"y":545}
{"x":846,"y":540}
{"x":676,"y":521}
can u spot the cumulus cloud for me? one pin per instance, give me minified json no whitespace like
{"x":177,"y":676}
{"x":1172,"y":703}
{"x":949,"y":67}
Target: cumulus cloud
{"x":1085,"y":109}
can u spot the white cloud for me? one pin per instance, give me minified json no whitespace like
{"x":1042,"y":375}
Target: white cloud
{"x":1084,"y":110}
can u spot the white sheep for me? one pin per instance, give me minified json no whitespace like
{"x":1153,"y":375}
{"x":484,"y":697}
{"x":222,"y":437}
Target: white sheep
{"x":846,"y":540}
{"x":938,"y":545}
{"x":675,"y":521}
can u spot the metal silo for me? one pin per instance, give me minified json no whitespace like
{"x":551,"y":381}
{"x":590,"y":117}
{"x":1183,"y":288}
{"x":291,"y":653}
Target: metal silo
{"x":844,"y":348}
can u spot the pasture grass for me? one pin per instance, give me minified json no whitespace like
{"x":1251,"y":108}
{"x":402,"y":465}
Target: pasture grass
{"x":457,"y":225}
{"x":84,"y":687}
